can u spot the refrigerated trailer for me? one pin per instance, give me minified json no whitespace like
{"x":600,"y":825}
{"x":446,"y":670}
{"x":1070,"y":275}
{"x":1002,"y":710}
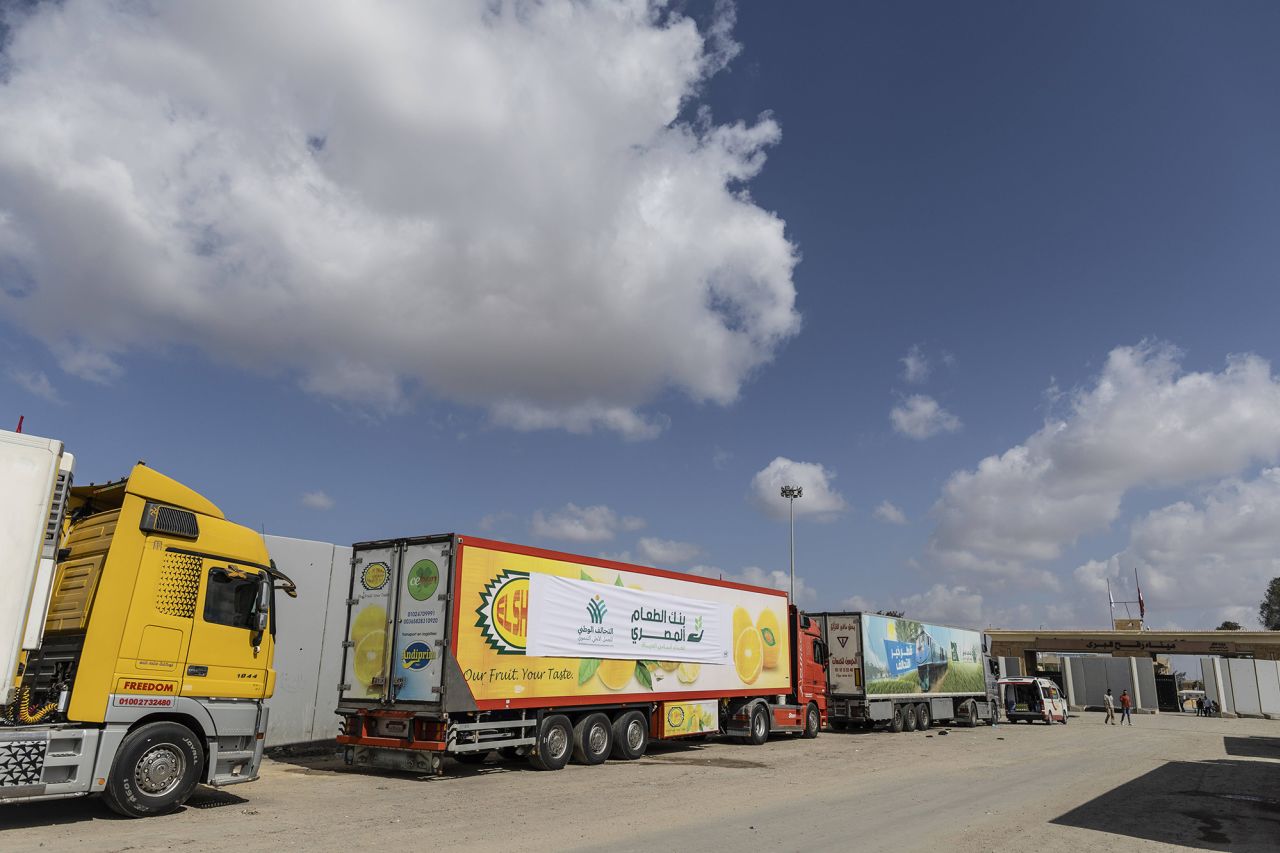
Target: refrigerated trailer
{"x":461,"y":646}
{"x":903,"y":674}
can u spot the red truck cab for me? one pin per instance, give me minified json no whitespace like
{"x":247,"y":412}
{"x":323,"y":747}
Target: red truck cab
{"x":804,"y":712}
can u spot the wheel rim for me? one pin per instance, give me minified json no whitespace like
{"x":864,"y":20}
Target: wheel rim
{"x":813,"y":719}
{"x":159,"y":770}
{"x":597,"y":739}
{"x":635,"y":735}
{"x":557,"y":742}
{"x":758,"y":728}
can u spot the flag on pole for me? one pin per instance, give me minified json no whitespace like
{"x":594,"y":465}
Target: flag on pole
{"x":1142,"y":605}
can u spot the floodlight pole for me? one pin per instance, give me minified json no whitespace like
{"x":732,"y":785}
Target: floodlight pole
{"x":791,"y":493}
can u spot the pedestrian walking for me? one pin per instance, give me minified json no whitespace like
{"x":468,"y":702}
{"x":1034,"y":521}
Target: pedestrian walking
{"x":1126,"y":705}
{"x":1199,"y":706}
{"x":1109,"y":705}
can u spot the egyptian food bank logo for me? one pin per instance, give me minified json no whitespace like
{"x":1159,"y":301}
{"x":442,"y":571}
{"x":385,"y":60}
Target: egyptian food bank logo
{"x":417,"y":656}
{"x":375,"y":576}
{"x":503,"y":614}
{"x":596,"y":609}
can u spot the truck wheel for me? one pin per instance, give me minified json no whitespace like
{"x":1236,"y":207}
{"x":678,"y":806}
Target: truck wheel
{"x":592,"y":739}
{"x":909,"y":721}
{"x":812,"y":722}
{"x":969,"y":715}
{"x":155,"y":770}
{"x":630,"y":736}
{"x":899,"y":720}
{"x":555,"y":742}
{"x":759,"y":726}
{"x":924,"y":718}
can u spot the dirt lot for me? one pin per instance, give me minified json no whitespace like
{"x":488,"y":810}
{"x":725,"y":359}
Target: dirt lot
{"x":1169,"y":782}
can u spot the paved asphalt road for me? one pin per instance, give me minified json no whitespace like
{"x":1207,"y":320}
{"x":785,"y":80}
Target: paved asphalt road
{"x":1170,"y":782}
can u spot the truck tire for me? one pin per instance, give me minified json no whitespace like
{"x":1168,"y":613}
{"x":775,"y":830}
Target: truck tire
{"x":759,"y":732}
{"x":968,"y":714}
{"x":592,"y":739}
{"x":555,"y":743}
{"x":155,"y":770}
{"x":630,"y":736}
{"x":812,"y":722}
{"x":909,"y":721}
{"x":899,"y":720}
{"x":924,"y":718}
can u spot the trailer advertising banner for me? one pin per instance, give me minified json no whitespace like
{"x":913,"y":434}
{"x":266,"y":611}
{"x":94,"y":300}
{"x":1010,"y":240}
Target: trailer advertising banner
{"x":533,"y":627}
{"x":905,"y":656}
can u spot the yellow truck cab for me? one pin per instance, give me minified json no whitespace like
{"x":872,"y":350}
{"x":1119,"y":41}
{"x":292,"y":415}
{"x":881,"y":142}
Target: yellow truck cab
{"x":146,"y":641}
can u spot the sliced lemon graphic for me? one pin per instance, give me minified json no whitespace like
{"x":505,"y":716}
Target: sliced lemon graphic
{"x":616,"y":674}
{"x":741,"y":620}
{"x":768,"y":626}
{"x":372,"y":618}
{"x":668,"y":665}
{"x":368,"y":660}
{"x":748,"y":655}
{"x":687,"y":673}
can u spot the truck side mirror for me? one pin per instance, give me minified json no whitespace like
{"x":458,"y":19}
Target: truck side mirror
{"x":994,"y":666}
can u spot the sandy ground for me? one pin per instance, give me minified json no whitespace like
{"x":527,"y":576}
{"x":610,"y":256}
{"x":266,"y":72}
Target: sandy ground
{"x":1169,"y":782}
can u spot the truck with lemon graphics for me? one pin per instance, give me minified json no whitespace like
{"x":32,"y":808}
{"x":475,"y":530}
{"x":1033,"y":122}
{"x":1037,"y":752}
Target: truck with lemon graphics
{"x":905,"y":675}
{"x":137,"y":627}
{"x":464,"y":646}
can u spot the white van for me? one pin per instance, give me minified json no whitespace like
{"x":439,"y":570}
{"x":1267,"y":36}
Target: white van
{"x":1031,"y":699}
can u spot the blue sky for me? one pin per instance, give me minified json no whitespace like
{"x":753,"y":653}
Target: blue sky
{"x":1066,"y":211}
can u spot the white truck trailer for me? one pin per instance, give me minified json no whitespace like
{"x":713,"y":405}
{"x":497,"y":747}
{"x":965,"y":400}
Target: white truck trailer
{"x":905,"y":675}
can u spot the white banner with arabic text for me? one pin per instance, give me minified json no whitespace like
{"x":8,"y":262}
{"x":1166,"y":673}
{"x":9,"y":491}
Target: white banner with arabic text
{"x":584,"y":619}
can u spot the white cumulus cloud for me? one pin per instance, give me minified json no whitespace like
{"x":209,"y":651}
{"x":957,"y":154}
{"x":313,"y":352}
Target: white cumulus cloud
{"x":317,"y":500}
{"x":1143,"y":422}
{"x":666,"y":552}
{"x":920,"y":417}
{"x":34,"y":382}
{"x":889,"y":513}
{"x":819,"y":499}
{"x":576,"y":523}
{"x":1208,"y":559}
{"x":756,"y":576}
{"x":483,"y":202}
{"x":950,"y":605}
{"x":915,"y":365}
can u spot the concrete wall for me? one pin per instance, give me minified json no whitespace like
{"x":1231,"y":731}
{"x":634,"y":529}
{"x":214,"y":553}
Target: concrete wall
{"x":1269,"y":687}
{"x":1091,"y":676}
{"x":309,"y":637}
{"x":1244,"y":687}
{"x":1249,"y":687}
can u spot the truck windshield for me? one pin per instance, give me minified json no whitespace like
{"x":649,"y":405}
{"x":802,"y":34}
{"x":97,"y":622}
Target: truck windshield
{"x":231,"y":598}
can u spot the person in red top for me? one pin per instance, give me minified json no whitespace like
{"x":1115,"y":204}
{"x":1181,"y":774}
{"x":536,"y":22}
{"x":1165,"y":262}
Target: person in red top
{"x":1126,"y":705}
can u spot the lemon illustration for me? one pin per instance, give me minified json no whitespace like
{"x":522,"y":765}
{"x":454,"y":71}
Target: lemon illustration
{"x":616,"y":674}
{"x":668,"y":665}
{"x":370,"y":619}
{"x":367,"y":662}
{"x":768,"y":625}
{"x":748,"y":655}
{"x":741,"y":620}
{"x":687,"y":673}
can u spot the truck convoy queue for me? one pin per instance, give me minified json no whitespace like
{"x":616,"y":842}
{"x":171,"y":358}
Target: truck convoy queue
{"x":138,"y":628}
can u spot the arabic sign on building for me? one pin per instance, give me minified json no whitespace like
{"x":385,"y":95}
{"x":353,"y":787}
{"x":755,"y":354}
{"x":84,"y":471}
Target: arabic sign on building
{"x":576,"y":618}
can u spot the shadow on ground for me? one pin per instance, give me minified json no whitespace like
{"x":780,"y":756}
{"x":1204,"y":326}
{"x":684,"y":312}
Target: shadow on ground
{"x":1252,"y":747}
{"x":326,"y":758}
{"x":1210,"y":805}
{"x":92,"y":808}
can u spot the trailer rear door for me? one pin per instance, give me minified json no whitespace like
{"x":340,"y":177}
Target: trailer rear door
{"x":422,"y":618}
{"x":369,"y":627}
{"x":844,"y":643}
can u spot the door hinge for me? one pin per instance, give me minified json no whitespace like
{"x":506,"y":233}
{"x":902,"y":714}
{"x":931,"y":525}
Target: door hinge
{"x":398,"y":683}
{"x":342,"y":685}
{"x":352,"y":601}
{"x":346,"y":644}
{"x":377,"y":681}
{"x":444,"y":596}
{"x":438,"y":642}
